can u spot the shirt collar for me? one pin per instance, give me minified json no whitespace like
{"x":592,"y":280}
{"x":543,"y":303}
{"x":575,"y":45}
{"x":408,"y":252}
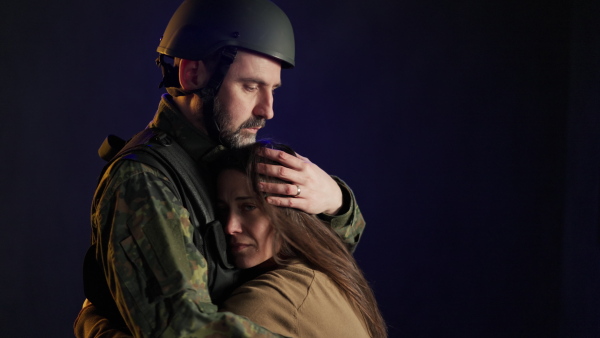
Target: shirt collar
{"x":195,"y":142}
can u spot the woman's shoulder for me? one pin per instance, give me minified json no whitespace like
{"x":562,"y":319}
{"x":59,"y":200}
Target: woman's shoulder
{"x":322,"y":310}
{"x":291,"y":282}
{"x":286,"y":286}
{"x":273,"y":298}
{"x":294,"y":301}
{"x":304,"y":276}
{"x":298,"y":272}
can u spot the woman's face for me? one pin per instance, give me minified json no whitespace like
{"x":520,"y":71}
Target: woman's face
{"x":251,"y":241}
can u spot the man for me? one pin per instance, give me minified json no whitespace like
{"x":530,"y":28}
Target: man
{"x":160,"y":274}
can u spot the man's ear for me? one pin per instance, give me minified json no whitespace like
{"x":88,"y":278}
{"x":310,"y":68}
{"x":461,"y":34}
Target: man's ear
{"x":193,"y":74}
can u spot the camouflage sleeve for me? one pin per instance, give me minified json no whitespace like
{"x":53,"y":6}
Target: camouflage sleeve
{"x":154,"y":271}
{"x":349,"y":224}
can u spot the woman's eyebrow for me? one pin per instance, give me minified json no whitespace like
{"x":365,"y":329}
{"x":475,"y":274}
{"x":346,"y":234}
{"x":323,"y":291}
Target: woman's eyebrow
{"x":242,"y":198}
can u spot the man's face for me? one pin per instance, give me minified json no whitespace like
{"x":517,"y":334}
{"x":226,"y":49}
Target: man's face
{"x":245,"y":100}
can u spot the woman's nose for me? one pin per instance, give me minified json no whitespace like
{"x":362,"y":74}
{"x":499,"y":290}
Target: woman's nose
{"x":233,"y":225}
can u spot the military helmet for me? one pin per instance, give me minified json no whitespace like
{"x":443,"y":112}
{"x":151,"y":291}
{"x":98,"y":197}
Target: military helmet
{"x":199,"y":28}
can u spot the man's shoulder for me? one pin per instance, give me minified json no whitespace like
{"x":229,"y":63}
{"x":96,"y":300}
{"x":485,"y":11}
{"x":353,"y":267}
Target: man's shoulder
{"x":131,"y":168}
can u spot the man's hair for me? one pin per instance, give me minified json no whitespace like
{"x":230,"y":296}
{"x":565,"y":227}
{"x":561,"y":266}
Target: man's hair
{"x":305,"y":237}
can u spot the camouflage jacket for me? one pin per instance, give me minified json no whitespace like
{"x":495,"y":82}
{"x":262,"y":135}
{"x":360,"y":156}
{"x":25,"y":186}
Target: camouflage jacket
{"x":144,"y":244}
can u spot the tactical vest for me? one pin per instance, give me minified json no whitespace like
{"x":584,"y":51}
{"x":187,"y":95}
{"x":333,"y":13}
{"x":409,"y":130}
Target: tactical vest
{"x":155,"y":148}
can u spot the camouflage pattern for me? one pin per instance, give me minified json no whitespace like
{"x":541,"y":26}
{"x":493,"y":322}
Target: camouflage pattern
{"x":350,"y":224}
{"x":144,"y":239}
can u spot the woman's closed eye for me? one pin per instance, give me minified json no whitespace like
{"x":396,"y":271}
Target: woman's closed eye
{"x":248,"y":207}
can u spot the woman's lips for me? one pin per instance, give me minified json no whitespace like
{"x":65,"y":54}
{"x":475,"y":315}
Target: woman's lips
{"x":237,"y":247}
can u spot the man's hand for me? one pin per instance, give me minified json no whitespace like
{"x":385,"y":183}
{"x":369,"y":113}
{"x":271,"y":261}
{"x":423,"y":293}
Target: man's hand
{"x":311,"y":189}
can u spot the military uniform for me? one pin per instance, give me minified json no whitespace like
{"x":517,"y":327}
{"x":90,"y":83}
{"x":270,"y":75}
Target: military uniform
{"x":144,"y":244}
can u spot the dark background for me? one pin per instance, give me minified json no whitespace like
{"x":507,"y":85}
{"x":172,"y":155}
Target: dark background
{"x":469,"y":131}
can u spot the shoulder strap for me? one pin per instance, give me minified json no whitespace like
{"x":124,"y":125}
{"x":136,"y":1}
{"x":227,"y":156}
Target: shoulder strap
{"x":157,"y":149}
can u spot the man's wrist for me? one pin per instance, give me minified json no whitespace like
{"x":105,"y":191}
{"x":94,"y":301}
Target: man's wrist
{"x":343,"y":213}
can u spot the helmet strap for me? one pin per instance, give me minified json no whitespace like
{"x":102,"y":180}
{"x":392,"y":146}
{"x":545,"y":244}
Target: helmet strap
{"x":208,"y":93}
{"x":170,"y":76}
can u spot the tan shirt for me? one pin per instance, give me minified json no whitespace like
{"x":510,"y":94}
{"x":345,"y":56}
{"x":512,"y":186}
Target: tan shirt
{"x":296,"y":301}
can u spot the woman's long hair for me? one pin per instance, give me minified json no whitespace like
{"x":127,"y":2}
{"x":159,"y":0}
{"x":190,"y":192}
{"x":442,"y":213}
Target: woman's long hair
{"x":310,"y":240}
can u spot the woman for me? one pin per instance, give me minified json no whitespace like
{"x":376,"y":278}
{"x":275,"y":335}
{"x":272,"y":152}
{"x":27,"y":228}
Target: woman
{"x":307,"y":283}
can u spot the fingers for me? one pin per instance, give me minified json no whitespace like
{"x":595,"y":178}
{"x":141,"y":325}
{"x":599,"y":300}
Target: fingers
{"x":280,"y":189}
{"x":306,"y":205}
{"x":289,"y":202}
{"x":290,"y":161}
{"x":305,"y":159}
{"x":284,"y":173}
{"x":318,"y":191}
{"x":286,"y":195}
{"x":293,"y":169}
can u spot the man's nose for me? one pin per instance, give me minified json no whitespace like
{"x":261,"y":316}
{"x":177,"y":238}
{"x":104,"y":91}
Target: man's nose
{"x":233,"y":225}
{"x":264,"y":105}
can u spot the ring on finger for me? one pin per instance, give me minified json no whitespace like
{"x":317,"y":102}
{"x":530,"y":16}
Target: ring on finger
{"x":298,"y":192}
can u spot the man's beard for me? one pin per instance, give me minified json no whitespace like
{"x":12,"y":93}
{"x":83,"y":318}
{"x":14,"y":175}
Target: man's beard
{"x":238,"y":137}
